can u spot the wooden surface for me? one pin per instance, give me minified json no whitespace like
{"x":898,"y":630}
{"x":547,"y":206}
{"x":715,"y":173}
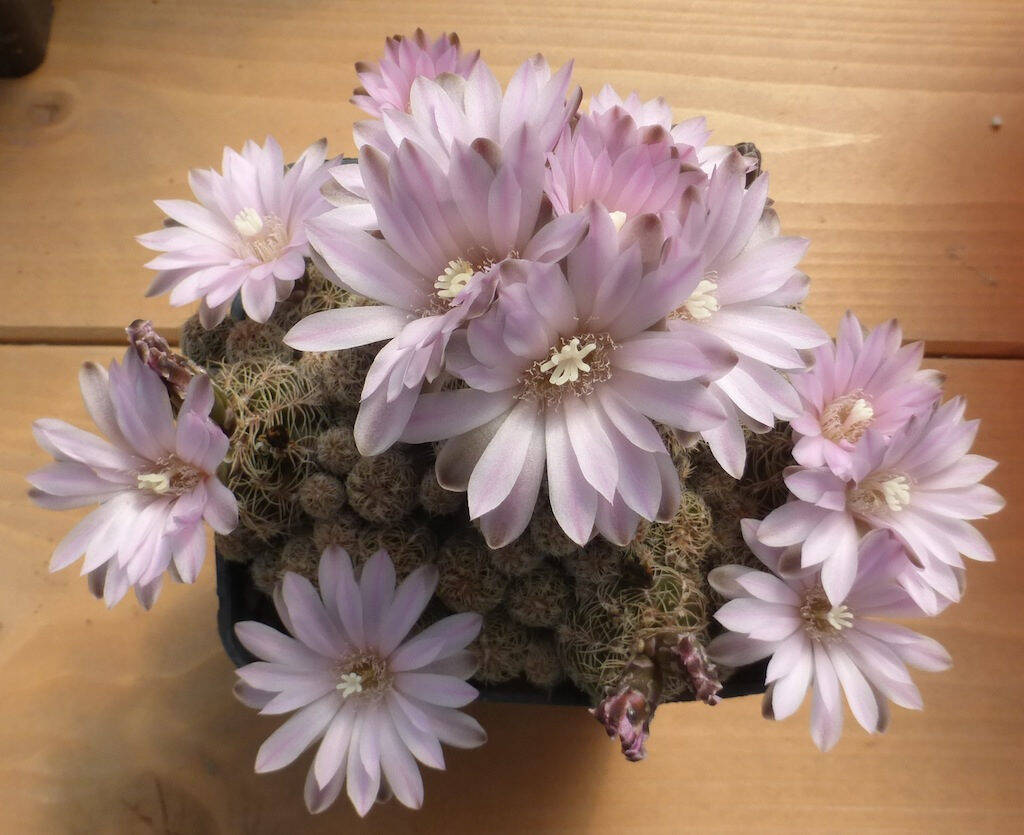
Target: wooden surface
{"x":874,"y":119}
{"x":124,"y":721}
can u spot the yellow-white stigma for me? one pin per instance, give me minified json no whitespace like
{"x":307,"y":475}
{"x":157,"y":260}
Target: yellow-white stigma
{"x":847,"y":418}
{"x":703,"y":301}
{"x":349,"y":684}
{"x":567,"y":362}
{"x":618,"y":218}
{"x":896,"y":492}
{"x":839,"y":617}
{"x":248,"y":223}
{"x":364,"y":674}
{"x":159,"y":483}
{"x":454,"y":278}
{"x":261,"y":238}
{"x":170,"y":476}
{"x":889,"y":491}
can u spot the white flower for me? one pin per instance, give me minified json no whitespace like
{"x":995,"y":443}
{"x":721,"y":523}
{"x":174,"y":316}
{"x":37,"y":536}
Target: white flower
{"x":154,"y":479}
{"x":376,"y":699}
{"x":825,"y":645}
{"x":245,"y":235}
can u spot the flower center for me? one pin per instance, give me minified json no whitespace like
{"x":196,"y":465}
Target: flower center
{"x":171,"y":476}
{"x":567,"y":362}
{"x":262,"y":238}
{"x":365,"y":674}
{"x":876,"y":493}
{"x":847,"y":418}
{"x":454,"y":278}
{"x":702,"y":302}
{"x":821,"y":618}
{"x":618,"y":218}
{"x":462,"y":272}
{"x":575,"y":365}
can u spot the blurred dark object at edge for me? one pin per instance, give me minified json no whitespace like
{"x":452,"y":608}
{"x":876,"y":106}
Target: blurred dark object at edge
{"x":24,"y":33}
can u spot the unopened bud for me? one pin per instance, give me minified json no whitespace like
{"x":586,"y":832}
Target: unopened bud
{"x":175,"y":370}
{"x":684,"y":652}
{"x":627,"y":711}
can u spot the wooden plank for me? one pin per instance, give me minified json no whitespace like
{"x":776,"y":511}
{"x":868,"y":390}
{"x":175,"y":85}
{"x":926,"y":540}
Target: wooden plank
{"x":874,"y":120}
{"x":123,"y":721}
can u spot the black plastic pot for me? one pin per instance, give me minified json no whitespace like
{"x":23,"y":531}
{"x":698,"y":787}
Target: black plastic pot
{"x":240,"y":600}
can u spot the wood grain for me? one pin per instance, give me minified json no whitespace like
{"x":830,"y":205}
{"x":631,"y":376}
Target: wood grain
{"x":123,"y":721}
{"x":874,"y":119}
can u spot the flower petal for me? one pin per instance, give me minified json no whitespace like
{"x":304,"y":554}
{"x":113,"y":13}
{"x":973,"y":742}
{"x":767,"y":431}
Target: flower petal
{"x":410,"y":600}
{"x":308,"y":617}
{"x":346,"y":327}
{"x":334,"y":747}
{"x":443,"y":691}
{"x":300,"y":731}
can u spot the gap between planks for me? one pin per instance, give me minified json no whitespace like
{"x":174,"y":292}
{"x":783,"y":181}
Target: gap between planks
{"x":100,"y":336}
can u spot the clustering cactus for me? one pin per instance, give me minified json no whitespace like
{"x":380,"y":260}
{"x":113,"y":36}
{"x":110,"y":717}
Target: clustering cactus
{"x":553,"y":610}
{"x":205,"y":347}
{"x":502,"y":648}
{"x":278,"y":418}
{"x":541,"y":319}
{"x":250,"y":341}
{"x":383,"y":488}
{"x":469,"y":580}
{"x":336,"y":449}
{"x":540,"y":598}
{"x":541,"y":666}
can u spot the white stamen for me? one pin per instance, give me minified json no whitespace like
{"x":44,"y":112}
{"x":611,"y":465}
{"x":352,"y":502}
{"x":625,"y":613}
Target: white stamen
{"x":454,"y":279}
{"x":567,"y":362}
{"x":822,"y":620}
{"x":350,"y":684}
{"x":702,"y":303}
{"x":159,"y":483}
{"x":261,"y":238}
{"x":618,"y":218}
{"x":248,"y":222}
{"x":890,"y":490}
{"x":847,"y":418}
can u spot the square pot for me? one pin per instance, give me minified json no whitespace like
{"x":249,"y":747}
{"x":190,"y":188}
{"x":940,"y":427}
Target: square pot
{"x":239,"y":599}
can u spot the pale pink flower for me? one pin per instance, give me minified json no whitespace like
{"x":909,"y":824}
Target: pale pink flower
{"x":347,"y":193}
{"x":376,"y":699}
{"x":453,"y":109}
{"x":387,"y":84}
{"x":246,"y":234}
{"x":747,"y":297}
{"x":155,"y":481}
{"x":433,"y":265}
{"x":690,"y":136}
{"x":824,"y":644}
{"x":450,"y":112}
{"x":565,"y":373}
{"x":629,"y":170}
{"x":856,"y":384}
{"x":922,"y":485}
